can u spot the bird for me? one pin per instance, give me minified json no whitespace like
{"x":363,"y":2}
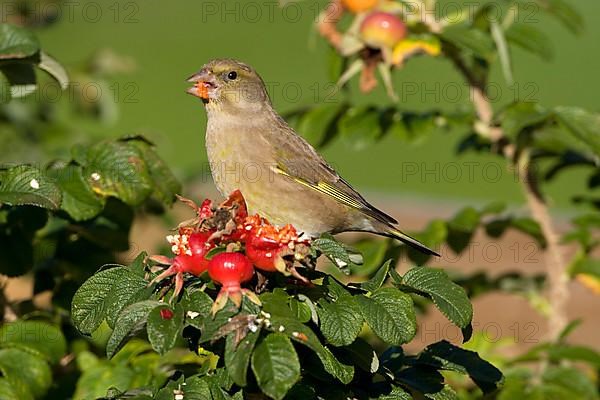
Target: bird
{"x":251,"y":148}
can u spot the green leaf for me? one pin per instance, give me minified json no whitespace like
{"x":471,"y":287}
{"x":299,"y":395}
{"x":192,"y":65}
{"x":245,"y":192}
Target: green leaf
{"x":39,"y":338}
{"x":340,"y":321}
{"x":390,"y":314}
{"x":88,"y":307}
{"x":196,"y":306}
{"x":363,"y":355}
{"x":17,"y":42}
{"x":531,"y":39}
{"x":530,"y":227}
{"x":238,"y":358}
{"x":562,"y":352}
{"x":55,"y":69}
{"x":22,"y":368}
{"x":95,"y":382}
{"x":448,"y":297}
{"x":118,"y":169}
{"x":373,"y":252}
{"x":397,"y":393}
{"x":334,"y":250}
{"x":564,"y":12}
{"x":5,"y":96}
{"x":276,"y":303}
{"x":195,"y":388}
{"x":444,"y":355}
{"x":131,"y":319}
{"x":521,"y":115}
{"x":21,"y":76}
{"x":164,"y":332}
{"x":302,"y":308}
{"x":378,"y":279}
{"x":360,"y":127}
{"x":275,"y":365}
{"x":471,"y":39}
{"x":78,"y":199}
{"x":165,"y":183}
{"x":302,"y":334}
{"x":505,"y":60}
{"x":6,"y":390}
{"x":315,"y":125}
{"x":565,"y":382}
{"x":129,"y":289}
{"x":422,"y":379}
{"x":583,"y":125}
{"x":25,"y":184}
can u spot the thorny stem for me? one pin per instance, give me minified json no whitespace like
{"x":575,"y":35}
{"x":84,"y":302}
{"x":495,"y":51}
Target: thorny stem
{"x":558,"y":292}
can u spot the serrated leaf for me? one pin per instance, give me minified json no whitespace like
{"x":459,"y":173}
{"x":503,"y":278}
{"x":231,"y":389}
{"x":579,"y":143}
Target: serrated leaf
{"x":448,"y":297}
{"x":397,"y":393}
{"x":129,"y":289}
{"x":195,"y":388}
{"x":238,"y":358}
{"x":88,"y":306}
{"x":340,"y":321}
{"x":118,"y":169}
{"x":359,"y":127}
{"x":40,"y":338}
{"x":302,"y":334}
{"x":332,"y":249}
{"x":164,"y":332}
{"x":17,"y":42}
{"x":444,"y":355}
{"x":166,"y":185}
{"x":196,"y":306}
{"x":78,"y":199}
{"x":275,"y":365}
{"x":390,"y":314}
{"x":130,"y":319}
{"x":25,"y":184}
{"x":22,"y":368}
{"x":378,"y":279}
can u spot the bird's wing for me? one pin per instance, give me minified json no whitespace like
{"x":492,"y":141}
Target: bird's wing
{"x":298,"y":160}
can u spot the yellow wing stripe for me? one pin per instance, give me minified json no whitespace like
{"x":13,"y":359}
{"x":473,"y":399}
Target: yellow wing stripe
{"x":332,"y":191}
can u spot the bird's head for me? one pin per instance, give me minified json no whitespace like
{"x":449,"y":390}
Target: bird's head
{"x":229,"y":84}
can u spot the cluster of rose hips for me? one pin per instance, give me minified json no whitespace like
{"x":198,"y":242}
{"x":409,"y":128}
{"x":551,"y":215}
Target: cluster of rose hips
{"x":229,"y":244}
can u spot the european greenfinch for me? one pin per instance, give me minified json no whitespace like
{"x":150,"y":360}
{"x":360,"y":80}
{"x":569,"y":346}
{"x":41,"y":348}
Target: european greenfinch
{"x":251,"y":148}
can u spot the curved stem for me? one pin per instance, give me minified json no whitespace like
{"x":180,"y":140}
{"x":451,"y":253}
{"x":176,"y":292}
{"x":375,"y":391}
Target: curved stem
{"x":558,"y":293}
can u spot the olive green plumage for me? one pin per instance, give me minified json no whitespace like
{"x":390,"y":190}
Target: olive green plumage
{"x":251,"y":148}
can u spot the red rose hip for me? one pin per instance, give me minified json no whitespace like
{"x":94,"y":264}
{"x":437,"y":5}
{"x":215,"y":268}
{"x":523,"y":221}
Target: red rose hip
{"x":381,"y":29}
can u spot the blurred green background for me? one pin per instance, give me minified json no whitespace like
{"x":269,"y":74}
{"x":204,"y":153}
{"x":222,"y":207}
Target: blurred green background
{"x":168,"y":41}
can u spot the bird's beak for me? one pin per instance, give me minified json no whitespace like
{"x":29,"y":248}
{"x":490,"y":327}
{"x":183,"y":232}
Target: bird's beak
{"x":204,"y":85}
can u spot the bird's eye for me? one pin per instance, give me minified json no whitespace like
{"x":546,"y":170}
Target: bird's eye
{"x":231,"y":75}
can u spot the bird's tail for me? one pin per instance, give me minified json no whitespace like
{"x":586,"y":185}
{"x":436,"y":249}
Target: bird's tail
{"x":392,"y":232}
